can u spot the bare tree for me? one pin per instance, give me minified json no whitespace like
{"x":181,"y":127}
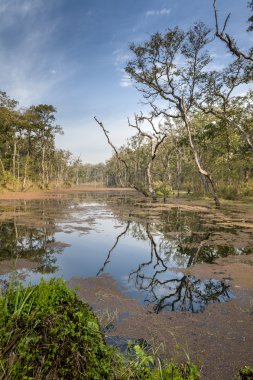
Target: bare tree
{"x":106,"y":133}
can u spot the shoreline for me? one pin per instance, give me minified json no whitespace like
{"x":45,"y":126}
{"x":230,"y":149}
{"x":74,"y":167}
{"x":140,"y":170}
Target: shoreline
{"x":52,"y":193}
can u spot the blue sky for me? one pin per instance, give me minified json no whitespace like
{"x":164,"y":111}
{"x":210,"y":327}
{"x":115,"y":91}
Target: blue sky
{"x":71,"y":53}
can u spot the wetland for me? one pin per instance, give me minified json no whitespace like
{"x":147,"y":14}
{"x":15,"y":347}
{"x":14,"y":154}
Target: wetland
{"x":178,"y":273}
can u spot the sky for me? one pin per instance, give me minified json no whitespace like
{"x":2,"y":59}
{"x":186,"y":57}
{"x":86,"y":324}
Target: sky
{"x":72,"y":54}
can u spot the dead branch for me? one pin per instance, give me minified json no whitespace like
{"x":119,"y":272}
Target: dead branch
{"x":110,"y":143}
{"x":226,"y":38}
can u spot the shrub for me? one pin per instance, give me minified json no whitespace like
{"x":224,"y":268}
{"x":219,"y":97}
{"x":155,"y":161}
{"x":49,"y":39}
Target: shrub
{"x":246,"y":373}
{"x":48,"y":333}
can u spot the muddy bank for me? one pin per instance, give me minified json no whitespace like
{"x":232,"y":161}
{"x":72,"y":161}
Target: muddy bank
{"x":8,"y":266}
{"x":238,"y":270}
{"x":220,"y":338}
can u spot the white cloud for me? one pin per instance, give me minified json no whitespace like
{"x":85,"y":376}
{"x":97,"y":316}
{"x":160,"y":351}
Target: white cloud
{"x":29,"y":71}
{"x":160,"y":12}
{"x":15,"y":7}
{"x":125,"y":81}
{"x":121,"y":58}
{"x":150,"y":13}
{"x":11,"y":10}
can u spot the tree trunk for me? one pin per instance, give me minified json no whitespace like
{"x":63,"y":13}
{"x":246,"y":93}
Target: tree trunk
{"x":14,"y":159}
{"x":43,"y":166}
{"x":2,"y":166}
{"x":197,"y":160}
{"x":149,"y":178}
{"x":25,"y":173}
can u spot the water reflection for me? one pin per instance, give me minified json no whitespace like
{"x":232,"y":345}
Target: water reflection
{"x":165,"y":289}
{"x":138,"y":249}
{"x":36,"y":244}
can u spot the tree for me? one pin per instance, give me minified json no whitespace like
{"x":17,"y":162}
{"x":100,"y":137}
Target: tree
{"x":155,"y":139}
{"x":42,"y":118}
{"x":221,"y":85}
{"x":171,"y":67}
{"x":28,"y":153}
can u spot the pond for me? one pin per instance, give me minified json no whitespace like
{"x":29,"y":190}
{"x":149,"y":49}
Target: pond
{"x":141,"y":246}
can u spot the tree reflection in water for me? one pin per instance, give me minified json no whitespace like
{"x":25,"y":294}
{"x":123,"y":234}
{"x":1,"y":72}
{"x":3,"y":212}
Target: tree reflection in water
{"x":164,"y":288}
{"x":21,"y":242}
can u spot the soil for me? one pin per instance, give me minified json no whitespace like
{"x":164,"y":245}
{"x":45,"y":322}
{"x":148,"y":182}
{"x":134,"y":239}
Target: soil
{"x":23,"y":265}
{"x":219,"y":339}
{"x":237,"y":268}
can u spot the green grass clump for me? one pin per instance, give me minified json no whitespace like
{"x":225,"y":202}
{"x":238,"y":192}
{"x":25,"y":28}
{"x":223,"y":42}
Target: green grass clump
{"x":46,"y":332}
{"x":147,"y":366}
{"x":246,"y":373}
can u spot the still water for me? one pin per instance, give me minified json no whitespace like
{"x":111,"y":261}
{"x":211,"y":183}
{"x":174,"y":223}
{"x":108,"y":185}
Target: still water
{"x":89,"y":235}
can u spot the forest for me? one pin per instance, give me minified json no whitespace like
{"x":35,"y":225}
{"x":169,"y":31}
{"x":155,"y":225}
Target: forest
{"x":28,"y":155}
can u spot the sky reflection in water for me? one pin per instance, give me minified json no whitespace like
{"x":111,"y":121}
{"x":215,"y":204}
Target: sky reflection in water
{"x":96,"y":240}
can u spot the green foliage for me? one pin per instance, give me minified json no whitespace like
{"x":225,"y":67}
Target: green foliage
{"x":161,"y":189}
{"x":48,"y":333}
{"x":229,"y":192}
{"x":147,"y":366}
{"x":28,"y":154}
{"x":246,"y":373}
{"x":8,"y":180}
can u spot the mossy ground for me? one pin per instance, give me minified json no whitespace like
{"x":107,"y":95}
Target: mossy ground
{"x":46,"y":332}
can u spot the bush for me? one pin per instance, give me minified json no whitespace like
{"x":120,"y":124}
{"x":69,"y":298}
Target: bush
{"x":228,"y":192}
{"x":246,"y":373}
{"x":162,"y":190}
{"x":47,"y":333}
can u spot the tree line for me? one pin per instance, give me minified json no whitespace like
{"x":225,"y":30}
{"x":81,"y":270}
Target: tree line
{"x":198,"y":128}
{"x":28,"y":154}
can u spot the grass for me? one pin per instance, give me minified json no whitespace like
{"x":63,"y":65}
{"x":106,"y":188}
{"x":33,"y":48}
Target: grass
{"x":46,"y":332}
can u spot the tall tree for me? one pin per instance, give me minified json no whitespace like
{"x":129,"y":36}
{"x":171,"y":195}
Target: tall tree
{"x":171,"y":67}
